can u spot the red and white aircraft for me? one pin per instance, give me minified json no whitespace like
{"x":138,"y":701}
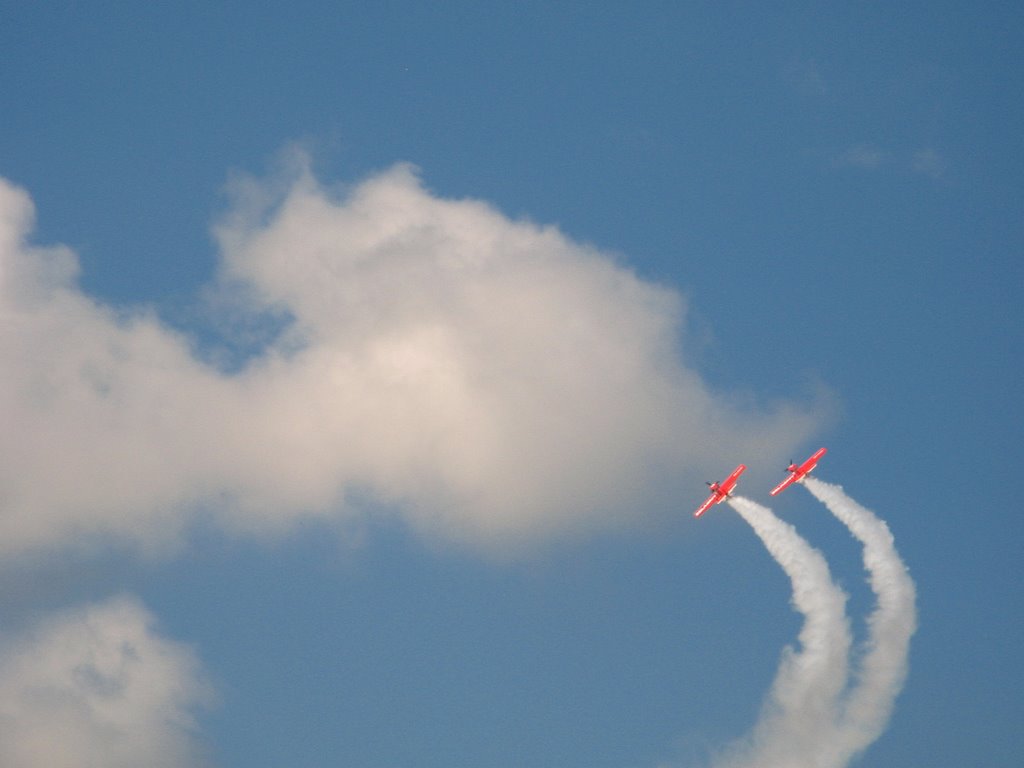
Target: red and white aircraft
{"x":720,"y":491}
{"x":798,"y":473}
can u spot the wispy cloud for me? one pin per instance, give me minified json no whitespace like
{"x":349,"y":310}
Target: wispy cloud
{"x":489,"y":379}
{"x":867,"y":157}
{"x":805,"y":77}
{"x":930,"y":163}
{"x":861,"y":156}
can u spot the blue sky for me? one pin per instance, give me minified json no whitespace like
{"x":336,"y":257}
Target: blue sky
{"x":813,"y":207}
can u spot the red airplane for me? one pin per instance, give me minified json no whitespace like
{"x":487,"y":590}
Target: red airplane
{"x":720,"y":491}
{"x":797,"y":474}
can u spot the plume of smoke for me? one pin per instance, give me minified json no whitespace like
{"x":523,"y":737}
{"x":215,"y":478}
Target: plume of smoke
{"x":797,"y":726}
{"x":869,"y":704}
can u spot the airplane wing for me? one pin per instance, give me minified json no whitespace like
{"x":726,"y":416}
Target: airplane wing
{"x":784,"y":484}
{"x":710,"y":502}
{"x":812,"y":462}
{"x":730,"y":482}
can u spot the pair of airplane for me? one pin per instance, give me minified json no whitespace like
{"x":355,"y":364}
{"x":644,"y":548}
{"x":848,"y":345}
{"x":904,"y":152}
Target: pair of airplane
{"x":723,"y":490}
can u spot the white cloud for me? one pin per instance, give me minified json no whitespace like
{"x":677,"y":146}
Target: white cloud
{"x":97,"y":686}
{"x":489,"y":379}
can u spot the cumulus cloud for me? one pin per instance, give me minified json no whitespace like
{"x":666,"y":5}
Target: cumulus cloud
{"x":488,"y":379}
{"x":97,"y":686}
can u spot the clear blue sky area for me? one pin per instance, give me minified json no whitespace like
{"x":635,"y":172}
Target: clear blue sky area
{"x":834,"y":191}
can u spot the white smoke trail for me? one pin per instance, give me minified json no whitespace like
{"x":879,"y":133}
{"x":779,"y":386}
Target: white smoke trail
{"x":797,"y":726}
{"x":890,"y":627}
